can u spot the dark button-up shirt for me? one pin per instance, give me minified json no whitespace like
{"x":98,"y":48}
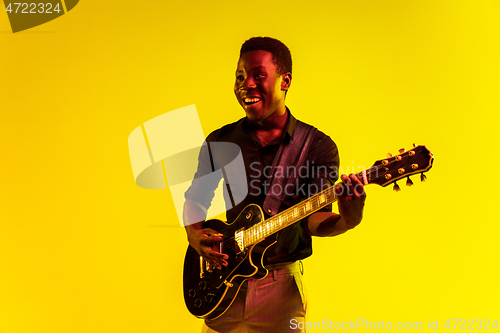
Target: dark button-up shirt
{"x":320,"y":171}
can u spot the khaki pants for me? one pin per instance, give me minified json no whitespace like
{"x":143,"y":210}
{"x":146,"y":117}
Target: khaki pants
{"x":274,"y":304}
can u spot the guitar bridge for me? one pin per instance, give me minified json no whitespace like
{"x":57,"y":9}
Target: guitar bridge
{"x":202,"y":268}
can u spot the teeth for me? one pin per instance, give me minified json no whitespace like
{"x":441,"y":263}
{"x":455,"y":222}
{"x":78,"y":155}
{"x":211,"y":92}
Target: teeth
{"x":251,"y":100}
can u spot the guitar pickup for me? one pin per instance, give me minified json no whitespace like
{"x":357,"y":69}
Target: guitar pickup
{"x":240,"y":242}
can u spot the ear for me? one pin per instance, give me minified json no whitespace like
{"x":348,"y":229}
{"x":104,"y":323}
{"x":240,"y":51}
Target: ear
{"x":286,"y":81}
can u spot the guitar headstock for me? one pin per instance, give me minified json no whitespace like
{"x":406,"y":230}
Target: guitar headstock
{"x":406,"y":163}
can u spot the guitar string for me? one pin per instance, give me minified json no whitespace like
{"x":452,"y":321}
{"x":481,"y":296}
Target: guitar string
{"x":230,"y":243}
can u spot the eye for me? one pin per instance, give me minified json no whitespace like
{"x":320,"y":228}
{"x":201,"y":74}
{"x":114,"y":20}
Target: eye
{"x":239,"y":78}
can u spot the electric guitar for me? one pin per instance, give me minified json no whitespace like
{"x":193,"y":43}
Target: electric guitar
{"x":208,"y":292}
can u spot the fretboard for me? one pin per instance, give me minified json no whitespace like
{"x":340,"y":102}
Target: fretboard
{"x":260,"y":231}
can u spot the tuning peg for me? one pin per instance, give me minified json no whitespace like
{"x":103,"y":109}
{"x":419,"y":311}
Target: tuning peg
{"x":396,"y":187}
{"x":402,"y":150}
{"x":423,"y":178}
{"x":409,"y":182}
{"x":389,"y":155}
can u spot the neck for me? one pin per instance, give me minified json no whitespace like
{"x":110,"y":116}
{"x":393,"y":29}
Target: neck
{"x":272,"y":127}
{"x":276,"y":121}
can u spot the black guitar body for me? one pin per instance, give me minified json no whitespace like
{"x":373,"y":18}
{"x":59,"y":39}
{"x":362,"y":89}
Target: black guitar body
{"x":208,"y":293}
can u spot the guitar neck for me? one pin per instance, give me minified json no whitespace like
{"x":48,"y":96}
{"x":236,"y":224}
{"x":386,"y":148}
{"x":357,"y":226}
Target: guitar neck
{"x":260,"y":231}
{"x":383,"y":172}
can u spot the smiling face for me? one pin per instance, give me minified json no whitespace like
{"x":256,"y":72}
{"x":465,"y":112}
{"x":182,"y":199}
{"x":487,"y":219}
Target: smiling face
{"x":259,"y":88}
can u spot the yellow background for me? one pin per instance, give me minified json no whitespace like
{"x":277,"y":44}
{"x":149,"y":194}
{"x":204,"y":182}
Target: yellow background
{"x":83,"y":249}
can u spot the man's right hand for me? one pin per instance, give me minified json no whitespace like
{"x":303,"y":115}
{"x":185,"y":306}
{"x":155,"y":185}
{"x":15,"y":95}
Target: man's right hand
{"x":202,"y":239}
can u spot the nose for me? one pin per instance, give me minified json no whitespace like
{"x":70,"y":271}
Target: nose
{"x":248,"y":83}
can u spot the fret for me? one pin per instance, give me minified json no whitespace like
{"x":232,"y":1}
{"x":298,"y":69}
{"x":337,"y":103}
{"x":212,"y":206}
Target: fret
{"x":321,"y":198}
{"x":308,"y":205}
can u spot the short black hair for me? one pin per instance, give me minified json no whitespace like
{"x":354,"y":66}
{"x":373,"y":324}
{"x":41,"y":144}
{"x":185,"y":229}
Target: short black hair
{"x":281,"y":54}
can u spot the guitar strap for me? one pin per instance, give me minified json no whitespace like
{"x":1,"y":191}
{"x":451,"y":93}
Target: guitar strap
{"x":291,"y":155}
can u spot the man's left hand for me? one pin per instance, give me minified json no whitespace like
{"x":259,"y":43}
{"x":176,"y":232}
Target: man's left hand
{"x":351,"y":200}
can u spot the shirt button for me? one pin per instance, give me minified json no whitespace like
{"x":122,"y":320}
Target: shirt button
{"x":269,"y":211}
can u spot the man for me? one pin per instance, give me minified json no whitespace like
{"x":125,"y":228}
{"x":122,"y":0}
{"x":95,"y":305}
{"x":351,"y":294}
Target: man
{"x":263,"y":78}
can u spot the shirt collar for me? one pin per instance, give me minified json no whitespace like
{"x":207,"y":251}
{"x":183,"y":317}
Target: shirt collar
{"x":290,"y":123}
{"x":289,"y":127}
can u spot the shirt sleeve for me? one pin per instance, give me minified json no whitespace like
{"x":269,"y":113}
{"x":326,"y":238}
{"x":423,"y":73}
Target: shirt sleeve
{"x":206,"y":178}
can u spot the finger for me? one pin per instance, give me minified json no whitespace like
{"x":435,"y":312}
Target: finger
{"x":218,"y":259}
{"x":214,"y":254}
{"x":208,"y":241}
{"x":348,"y":187}
{"x":357,"y":187}
{"x":215,"y":258}
{"x":211,"y":232}
{"x":341,"y":191}
{"x":214,"y":236}
{"x":218,"y":255}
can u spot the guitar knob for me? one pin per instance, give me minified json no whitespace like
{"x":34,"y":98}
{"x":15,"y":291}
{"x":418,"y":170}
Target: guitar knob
{"x":414,"y":145}
{"x":192,"y":293}
{"x":202,"y":285}
{"x":209,"y":297}
{"x":402,"y":150}
{"x":198,"y":302}
{"x":409,"y":182}
{"x":423,"y":178}
{"x":396,"y":187}
{"x":389,"y":155}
